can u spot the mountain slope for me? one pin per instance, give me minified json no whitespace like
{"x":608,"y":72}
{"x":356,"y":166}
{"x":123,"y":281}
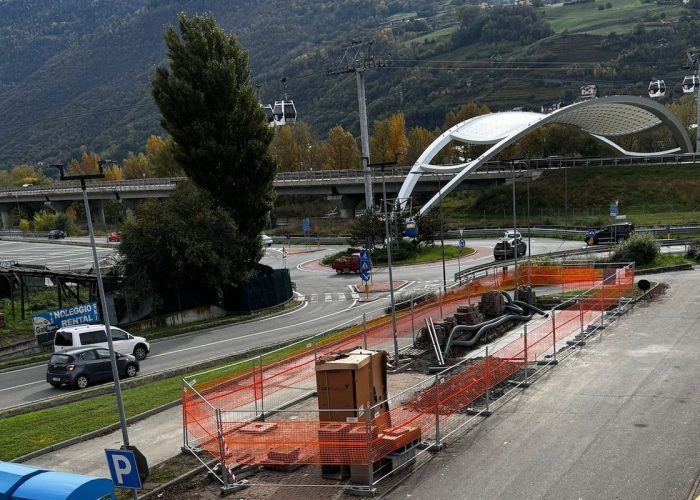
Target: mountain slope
{"x":76,"y":76}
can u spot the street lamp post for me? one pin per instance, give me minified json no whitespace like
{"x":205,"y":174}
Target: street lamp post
{"x":103,"y":300}
{"x":388,"y":255}
{"x":442,"y":237}
{"x":515,"y":228}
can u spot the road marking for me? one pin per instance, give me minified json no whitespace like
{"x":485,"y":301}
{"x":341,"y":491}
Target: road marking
{"x":314,"y":297}
{"x":341,"y":296}
{"x":22,"y":385}
{"x":233,"y":339}
{"x":328,"y":297}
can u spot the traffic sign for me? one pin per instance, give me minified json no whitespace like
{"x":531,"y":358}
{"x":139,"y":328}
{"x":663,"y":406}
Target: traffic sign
{"x":462,"y":243}
{"x":461,"y":233}
{"x":590,"y":232}
{"x":123,"y":469}
{"x":613,"y":210}
{"x":364,"y":266}
{"x":306,"y":225}
{"x":364,"y":275}
{"x":364,"y":256}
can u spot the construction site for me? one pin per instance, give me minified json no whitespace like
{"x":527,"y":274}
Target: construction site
{"x":355,"y":409}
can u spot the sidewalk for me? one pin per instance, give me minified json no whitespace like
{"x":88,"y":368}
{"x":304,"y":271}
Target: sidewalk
{"x":158,"y":437}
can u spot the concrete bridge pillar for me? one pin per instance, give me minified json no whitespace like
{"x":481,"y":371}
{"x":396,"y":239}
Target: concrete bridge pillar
{"x":58,"y":207}
{"x":347,"y":204}
{"x":97,"y":211}
{"x":6,"y":222}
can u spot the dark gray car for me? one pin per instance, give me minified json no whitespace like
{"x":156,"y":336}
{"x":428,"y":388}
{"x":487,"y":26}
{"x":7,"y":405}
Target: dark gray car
{"x":56,"y":234}
{"x":82,"y":366}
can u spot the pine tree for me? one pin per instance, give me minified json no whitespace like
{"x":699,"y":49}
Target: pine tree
{"x":221,"y":137}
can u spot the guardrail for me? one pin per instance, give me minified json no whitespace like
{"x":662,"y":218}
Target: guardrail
{"x":464,"y":274}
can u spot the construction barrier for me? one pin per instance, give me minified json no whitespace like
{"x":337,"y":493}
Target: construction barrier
{"x":222,"y":415}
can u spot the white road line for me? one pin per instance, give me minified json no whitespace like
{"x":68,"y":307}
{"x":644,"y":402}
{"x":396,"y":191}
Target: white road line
{"x":23,"y":385}
{"x":328,"y":297}
{"x":314,"y":297}
{"x":234,"y":339}
{"x":341,"y":296}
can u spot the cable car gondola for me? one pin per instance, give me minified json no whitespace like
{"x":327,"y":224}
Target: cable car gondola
{"x":284,"y":112}
{"x":269,"y":115}
{"x":657,"y":88}
{"x":690,"y":84}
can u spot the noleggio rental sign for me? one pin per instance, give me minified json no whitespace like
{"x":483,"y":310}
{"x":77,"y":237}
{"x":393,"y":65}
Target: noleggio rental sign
{"x":46,"y":323}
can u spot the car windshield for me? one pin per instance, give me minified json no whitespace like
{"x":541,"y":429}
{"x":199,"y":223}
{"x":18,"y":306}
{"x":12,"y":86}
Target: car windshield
{"x":60,"y":359}
{"x":511,"y":234}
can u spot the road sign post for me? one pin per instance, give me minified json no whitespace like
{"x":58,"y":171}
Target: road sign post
{"x":365,"y":269}
{"x":124,"y":469}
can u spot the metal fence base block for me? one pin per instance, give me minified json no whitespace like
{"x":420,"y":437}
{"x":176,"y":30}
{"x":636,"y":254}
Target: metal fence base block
{"x":435,"y":447}
{"x":545,"y":362}
{"x":190,"y":450}
{"x":575,"y":342}
{"x":361,"y":491}
{"x":233,"y":488}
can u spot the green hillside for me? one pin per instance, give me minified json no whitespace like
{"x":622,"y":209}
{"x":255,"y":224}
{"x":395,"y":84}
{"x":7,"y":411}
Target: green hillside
{"x":75,"y":75}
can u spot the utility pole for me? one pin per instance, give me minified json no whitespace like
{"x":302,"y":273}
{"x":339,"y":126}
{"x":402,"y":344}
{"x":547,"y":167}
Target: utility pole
{"x":697,"y":108}
{"x":356,"y":59}
{"x":388,"y":255}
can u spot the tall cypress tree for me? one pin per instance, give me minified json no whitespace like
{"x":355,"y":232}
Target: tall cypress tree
{"x":221,"y":137}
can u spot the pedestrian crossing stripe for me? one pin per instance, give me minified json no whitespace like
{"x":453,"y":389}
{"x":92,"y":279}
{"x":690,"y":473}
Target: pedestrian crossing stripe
{"x":328,"y":297}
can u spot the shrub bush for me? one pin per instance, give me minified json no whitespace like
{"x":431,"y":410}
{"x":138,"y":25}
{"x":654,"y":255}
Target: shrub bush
{"x":693,"y":251}
{"x":641,"y":249}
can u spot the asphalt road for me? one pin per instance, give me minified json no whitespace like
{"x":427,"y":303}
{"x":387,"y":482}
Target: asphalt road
{"x":56,"y":256}
{"x":618,"y":419}
{"x":327,"y":311}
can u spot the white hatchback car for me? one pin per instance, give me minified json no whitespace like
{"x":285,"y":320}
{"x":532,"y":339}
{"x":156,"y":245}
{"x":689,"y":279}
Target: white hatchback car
{"x":96,"y":335}
{"x":266,"y":240}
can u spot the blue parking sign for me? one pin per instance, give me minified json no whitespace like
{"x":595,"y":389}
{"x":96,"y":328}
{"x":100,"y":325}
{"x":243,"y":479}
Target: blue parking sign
{"x":123,"y":469}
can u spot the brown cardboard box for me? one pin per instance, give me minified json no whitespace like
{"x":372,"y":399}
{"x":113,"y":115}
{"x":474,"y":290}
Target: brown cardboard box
{"x":351,"y":381}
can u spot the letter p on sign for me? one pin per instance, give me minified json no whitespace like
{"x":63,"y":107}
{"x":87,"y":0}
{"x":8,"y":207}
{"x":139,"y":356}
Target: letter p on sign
{"x":122,"y":468}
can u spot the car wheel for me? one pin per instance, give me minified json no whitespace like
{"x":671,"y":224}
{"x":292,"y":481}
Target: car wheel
{"x":131,"y":370}
{"x":338,"y":271}
{"x":81,"y":382}
{"x":140,"y":352}
{"x":55,"y":384}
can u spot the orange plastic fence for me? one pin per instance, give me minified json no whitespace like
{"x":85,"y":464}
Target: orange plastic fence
{"x":314,"y":442}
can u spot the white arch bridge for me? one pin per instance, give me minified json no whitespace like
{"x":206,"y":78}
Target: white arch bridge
{"x":602,"y":118}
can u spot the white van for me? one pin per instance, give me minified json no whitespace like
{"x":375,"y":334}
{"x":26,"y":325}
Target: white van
{"x":78,"y":336}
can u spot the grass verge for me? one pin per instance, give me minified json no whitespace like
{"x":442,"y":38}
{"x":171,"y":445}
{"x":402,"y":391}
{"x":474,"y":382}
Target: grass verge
{"x":23,"y":434}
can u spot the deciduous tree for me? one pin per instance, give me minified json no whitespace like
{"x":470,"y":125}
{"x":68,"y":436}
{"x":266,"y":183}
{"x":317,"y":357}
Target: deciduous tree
{"x":389,"y":138}
{"x":341,"y":150}
{"x":137,"y":166}
{"x":88,"y":164}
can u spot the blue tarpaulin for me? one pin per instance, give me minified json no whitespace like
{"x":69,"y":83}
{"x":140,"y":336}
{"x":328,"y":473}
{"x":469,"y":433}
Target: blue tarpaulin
{"x":21,"y":482}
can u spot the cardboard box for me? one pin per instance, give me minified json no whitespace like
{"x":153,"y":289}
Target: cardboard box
{"x":351,"y":381}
